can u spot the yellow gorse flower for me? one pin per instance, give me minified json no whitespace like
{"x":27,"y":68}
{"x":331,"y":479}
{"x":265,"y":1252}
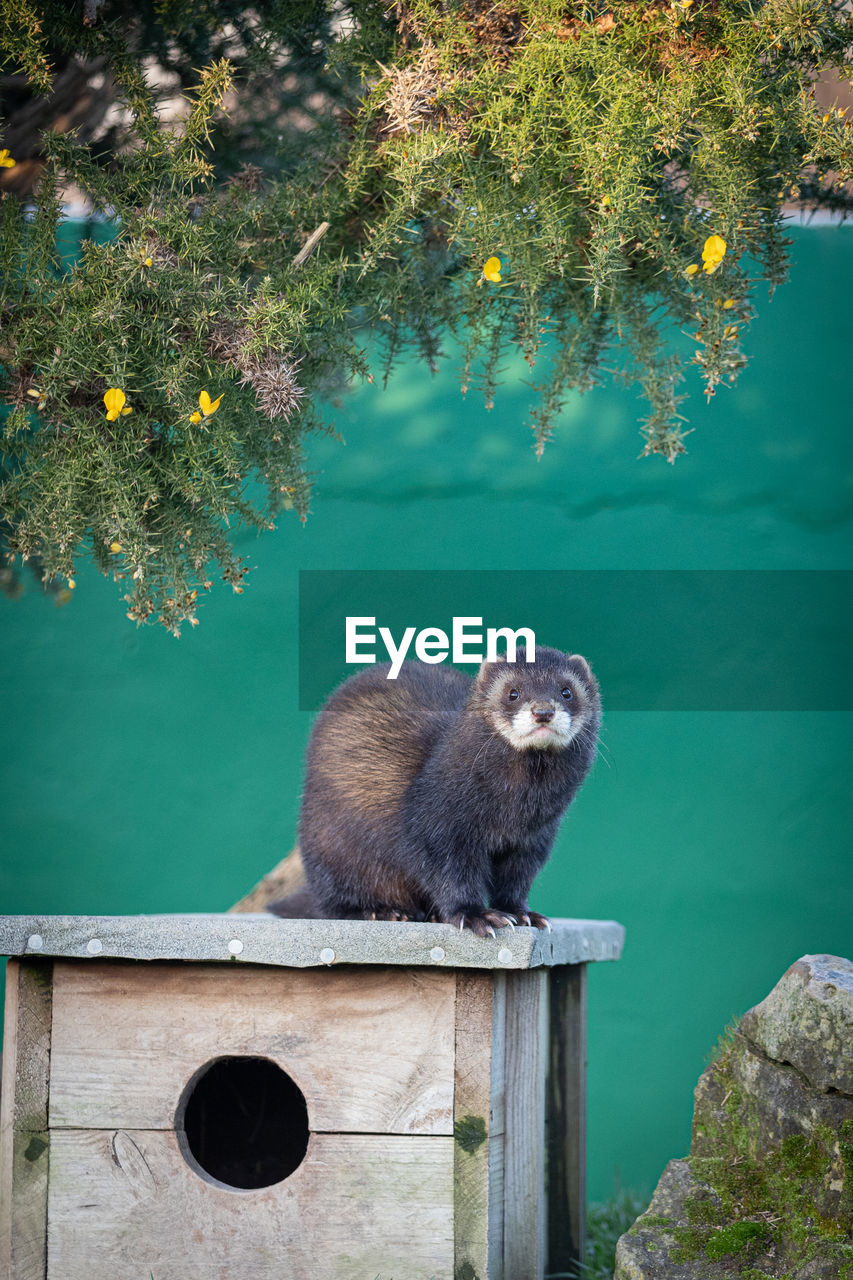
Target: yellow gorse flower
{"x":713,"y":253}
{"x":492,"y":270}
{"x":206,"y":405}
{"x":6,"y":161}
{"x":116,"y":403}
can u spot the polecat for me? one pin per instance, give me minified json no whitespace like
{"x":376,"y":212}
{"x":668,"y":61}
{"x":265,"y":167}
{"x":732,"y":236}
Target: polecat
{"x":435,"y":797}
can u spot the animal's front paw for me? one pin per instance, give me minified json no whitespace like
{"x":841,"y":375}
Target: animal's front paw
{"x":482,"y":922}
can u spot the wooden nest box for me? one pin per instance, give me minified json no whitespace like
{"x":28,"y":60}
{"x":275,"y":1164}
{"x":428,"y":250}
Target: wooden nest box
{"x":198,"y":1097}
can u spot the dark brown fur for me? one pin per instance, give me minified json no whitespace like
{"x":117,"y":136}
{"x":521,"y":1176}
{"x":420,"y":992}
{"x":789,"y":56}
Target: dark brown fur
{"x":418,"y":806}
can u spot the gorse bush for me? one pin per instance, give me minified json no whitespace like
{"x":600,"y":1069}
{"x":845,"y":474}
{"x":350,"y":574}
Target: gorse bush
{"x":569,"y":181}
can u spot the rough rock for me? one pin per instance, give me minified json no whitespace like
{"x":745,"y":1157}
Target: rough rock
{"x":767,"y":1191}
{"x":768,"y":1106}
{"x":807,"y":1021}
{"x":646,"y":1251}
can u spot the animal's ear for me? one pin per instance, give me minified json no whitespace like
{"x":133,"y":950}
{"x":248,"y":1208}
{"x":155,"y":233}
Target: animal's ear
{"x":581,"y":662}
{"x":484,"y":674}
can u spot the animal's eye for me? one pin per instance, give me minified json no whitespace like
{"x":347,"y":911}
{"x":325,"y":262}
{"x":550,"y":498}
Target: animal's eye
{"x":513,"y":695}
{"x":567,"y":694}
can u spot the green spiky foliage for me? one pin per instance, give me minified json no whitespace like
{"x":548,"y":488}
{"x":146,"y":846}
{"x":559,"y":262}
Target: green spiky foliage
{"x":594,"y":150}
{"x":626,"y":164}
{"x":167,"y":310}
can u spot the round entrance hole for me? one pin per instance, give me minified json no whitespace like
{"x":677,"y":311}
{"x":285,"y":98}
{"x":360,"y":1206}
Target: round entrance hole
{"x":243,"y":1122}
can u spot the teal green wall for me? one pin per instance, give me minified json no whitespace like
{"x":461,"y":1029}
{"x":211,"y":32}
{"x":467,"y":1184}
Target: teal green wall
{"x":143,"y":773}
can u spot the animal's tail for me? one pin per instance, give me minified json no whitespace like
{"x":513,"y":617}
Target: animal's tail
{"x":296,"y":906}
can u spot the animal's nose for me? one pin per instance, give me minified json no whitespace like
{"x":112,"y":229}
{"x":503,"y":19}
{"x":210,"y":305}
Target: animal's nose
{"x":543,"y":714}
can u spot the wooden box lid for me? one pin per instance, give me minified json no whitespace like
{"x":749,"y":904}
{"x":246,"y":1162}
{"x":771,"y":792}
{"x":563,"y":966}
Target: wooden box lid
{"x":241,"y":938}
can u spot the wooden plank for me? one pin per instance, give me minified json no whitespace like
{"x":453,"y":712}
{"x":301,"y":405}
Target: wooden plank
{"x":524,"y":1149}
{"x":359,"y":1206}
{"x":566,"y":1119}
{"x":497,"y":1150}
{"x":30,"y":1164}
{"x":7,"y":1111}
{"x":23,"y":1123}
{"x":371,"y":1049}
{"x":7,"y":1114}
{"x":265,"y":940}
{"x":32,"y":1043}
{"x":475,"y":1135}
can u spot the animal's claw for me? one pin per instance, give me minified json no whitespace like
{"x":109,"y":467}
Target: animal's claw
{"x":523,"y":915}
{"x":482,"y":923}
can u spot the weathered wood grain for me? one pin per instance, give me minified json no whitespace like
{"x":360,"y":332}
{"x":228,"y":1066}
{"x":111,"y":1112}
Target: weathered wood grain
{"x":32,"y":980}
{"x":524,"y":1146}
{"x":359,"y":1206}
{"x":30,"y":1164}
{"x":498,"y":1149}
{"x":372,"y":1050}
{"x":23,"y":1120}
{"x":565,"y":1119}
{"x":7,"y":1112}
{"x":475,"y":1138}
